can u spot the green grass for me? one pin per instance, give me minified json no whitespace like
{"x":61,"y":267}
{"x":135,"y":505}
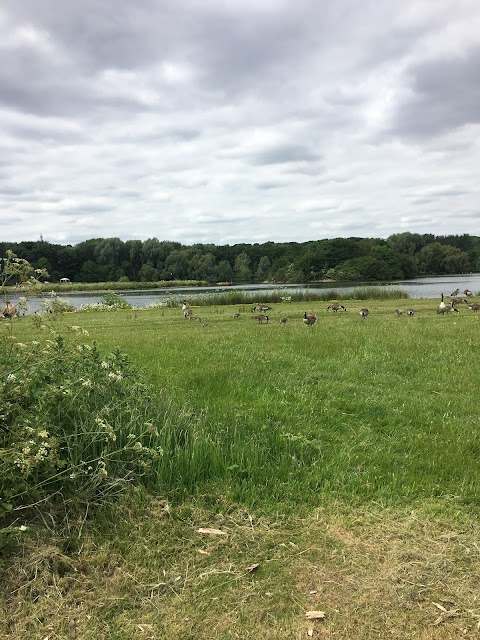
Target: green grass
{"x":358,"y":409}
{"x":343,"y":459}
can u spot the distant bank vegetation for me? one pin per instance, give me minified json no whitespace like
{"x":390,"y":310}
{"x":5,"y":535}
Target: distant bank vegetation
{"x":154,"y":263}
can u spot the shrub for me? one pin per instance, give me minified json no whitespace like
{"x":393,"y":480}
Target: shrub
{"x":74,"y":424}
{"x":112,"y":299}
{"x":57,"y":305}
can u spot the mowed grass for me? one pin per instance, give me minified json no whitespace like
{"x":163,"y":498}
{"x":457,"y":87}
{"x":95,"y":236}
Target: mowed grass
{"x":342,"y":459}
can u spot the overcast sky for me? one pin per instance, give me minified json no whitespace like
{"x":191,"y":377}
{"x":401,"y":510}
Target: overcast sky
{"x":232,"y":121}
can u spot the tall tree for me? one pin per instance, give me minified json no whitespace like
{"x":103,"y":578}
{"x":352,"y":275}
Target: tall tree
{"x":242,"y":267}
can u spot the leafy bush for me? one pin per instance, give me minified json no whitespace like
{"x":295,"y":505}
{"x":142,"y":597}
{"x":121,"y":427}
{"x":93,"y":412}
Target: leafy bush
{"x":112,"y":299}
{"x":73,"y":423}
{"x":57,"y":305}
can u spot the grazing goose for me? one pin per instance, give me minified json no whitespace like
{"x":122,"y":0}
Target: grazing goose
{"x":410,"y":312}
{"x":468,"y":293}
{"x":451,"y":310}
{"x":455,"y":293}
{"x":260,"y":317}
{"x":363,"y":312}
{"x":398,"y":312}
{"x":309,"y":318}
{"x":455,"y":301}
{"x":261,"y":307}
{"x":236,"y":316}
{"x":335,"y":307}
{"x":283,"y":321}
{"x":188,"y":314}
{"x":474,"y":307}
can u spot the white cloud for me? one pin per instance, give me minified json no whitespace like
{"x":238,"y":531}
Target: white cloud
{"x":238,"y":122}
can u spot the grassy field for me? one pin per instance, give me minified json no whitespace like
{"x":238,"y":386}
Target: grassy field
{"x":342,"y":458}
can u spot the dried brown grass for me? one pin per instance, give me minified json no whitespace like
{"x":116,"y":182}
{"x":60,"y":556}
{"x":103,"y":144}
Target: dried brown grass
{"x":376,"y":572}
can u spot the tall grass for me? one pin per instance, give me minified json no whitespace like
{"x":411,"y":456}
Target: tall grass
{"x":354,"y":408}
{"x":278,"y":296}
{"x":111,"y":286}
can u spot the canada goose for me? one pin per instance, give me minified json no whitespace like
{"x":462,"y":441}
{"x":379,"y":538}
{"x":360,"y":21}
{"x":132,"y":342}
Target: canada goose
{"x":236,"y":316}
{"x":283,"y":321}
{"x":335,"y":307}
{"x":441,"y":307}
{"x":188,"y":314}
{"x":184,"y":305}
{"x":410,"y":312}
{"x":455,"y":301}
{"x":398,"y":312}
{"x":455,"y":293}
{"x":451,"y":310}
{"x":474,"y":307}
{"x":467,"y":292}
{"x":260,"y":317}
{"x":309,"y":318}
{"x":363,"y":312}
{"x":261,"y":307}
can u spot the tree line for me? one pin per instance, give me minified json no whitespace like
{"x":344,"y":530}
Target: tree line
{"x":400,"y":256}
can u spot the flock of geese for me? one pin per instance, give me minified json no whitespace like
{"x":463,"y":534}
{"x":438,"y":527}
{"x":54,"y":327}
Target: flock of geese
{"x":310,"y":318}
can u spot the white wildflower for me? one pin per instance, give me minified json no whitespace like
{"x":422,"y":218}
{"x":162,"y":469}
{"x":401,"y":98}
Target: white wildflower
{"x":11,"y":377}
{"x":43,"y":434}
{"x":22,"y":527}
{"x":104,"y":364}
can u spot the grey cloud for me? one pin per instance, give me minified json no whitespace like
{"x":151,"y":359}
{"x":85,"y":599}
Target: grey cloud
{"x":284,"y":154}
{"x":266,"y":186}
{"x":446,"y":95}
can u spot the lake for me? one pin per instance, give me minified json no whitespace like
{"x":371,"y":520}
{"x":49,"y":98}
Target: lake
{"x":425,"y":287}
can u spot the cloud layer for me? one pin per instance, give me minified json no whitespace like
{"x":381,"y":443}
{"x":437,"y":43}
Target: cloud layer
{"x":239,"y":121}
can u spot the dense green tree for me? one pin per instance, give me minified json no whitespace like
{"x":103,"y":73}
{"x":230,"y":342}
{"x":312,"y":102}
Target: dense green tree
{"x":263,"y":269}
{"x":242,"y":267}
{"x":176,"y":266}
{"x":224,"y":271}
{"x":440,"y":258}
{"x":409,"y":243}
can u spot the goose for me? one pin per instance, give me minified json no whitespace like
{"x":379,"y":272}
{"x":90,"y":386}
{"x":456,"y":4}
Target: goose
{"x":260,"y":317}
{"x":410,"y":312}
{"x":188,"y":314}
{"x":455,"y":293}
{"x":236,"y":316}
{"x":335,"y":307}
{"x":474,"y":307}
{"x":261,"y":307}
{"x":442,"y":306}
{"x":455,"y":301}
{"x":451,"y":310}
{"x":398,"y":312}
{"x":283,"y":321}
{"x":467,"y":292}
{"x":309,"y":318}
{"x":363,"y":312}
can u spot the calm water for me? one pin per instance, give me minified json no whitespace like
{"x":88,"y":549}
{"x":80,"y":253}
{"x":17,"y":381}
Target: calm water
{"x":426,"y":287}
